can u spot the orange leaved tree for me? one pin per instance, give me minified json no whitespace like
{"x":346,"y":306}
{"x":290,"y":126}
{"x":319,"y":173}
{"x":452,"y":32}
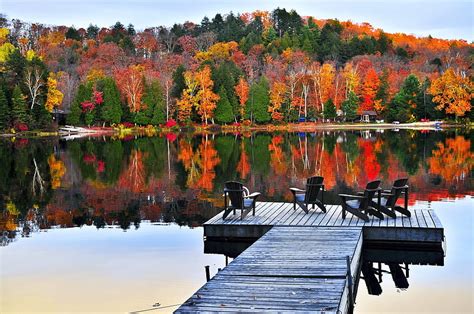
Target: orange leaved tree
{"x":453,"y":93}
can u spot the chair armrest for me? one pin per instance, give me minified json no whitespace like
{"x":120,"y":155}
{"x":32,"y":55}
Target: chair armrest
{"x":400,"y":187}
{"x":374,"y":190}
{"x":297,"y":190}
{"x":253,"y":195}
{"x":352,"y":196}
{"x":387,"y":194}
{"x":360,"y":193}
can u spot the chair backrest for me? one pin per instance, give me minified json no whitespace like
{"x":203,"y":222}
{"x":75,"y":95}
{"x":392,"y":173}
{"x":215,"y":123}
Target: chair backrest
{"x":396,"y":191}
{"x":235,"y":192}
{"x":313,"y":186}
{"x":369,"y":193}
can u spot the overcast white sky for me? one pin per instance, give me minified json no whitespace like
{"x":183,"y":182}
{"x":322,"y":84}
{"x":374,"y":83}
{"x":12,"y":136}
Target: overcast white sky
{"x":451,"y":19}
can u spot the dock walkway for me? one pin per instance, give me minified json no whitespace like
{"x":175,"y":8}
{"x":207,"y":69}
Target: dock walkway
{"x":288,"y":269}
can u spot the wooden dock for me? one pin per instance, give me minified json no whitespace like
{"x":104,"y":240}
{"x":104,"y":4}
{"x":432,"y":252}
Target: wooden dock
{"x":422,"y":227}
{"x":288,"y":269}
{"x":300,"y":262}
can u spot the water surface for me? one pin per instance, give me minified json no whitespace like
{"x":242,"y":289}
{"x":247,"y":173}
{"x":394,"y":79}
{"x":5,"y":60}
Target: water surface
{"x":110,"y":224}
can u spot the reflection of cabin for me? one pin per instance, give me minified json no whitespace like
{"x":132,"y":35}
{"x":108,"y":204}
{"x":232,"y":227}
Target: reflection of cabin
{"x":368,"y":116}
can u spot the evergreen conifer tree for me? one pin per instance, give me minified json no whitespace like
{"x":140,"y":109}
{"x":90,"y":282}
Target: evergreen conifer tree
{"x":111,"y":111}
{"x":350,"y":106}
{"x":223,"y":112}
{"x":19,"y":113}
{"x":4,"y":111}
{"x":258,"y":102}
{"x":154,"y":111}
{"x":329,"y":110}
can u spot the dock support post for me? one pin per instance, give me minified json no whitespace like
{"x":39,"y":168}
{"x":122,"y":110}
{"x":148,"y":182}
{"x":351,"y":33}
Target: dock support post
{"x":350,"y":285}
{"x":208,"y":275}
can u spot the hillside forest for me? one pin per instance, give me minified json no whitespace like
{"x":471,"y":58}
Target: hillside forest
{"x":252,"y":68}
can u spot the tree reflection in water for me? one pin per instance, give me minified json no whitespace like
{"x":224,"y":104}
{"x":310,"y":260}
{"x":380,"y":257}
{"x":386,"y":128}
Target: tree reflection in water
{"x":110,"y":182}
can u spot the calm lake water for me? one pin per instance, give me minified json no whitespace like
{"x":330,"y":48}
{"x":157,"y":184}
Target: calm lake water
{"x":114,"y":225}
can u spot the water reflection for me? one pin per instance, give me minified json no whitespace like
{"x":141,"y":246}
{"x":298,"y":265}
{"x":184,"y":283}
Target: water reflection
{"x":106,"y":181}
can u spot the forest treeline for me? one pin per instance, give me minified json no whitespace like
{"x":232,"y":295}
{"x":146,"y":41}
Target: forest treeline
{"x":260,"y":67}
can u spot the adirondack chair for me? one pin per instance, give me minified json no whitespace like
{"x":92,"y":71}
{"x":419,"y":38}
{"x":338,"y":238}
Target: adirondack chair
{"x":304,"y":198}
{"x":359,"y":205}
{"x":237,"y":196}
{"x":389,"y":199}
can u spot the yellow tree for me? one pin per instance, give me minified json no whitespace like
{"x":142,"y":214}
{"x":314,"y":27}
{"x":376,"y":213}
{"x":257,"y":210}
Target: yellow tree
{"x":277,"y":97}
{"x":351,"y":78}
{"x":189,"y":97}
{"x":207,"y":99}
{"x":323,"y":79}
{"x":54,"y":98}
{"x":452,"y":92}
{"x":242,"y":91}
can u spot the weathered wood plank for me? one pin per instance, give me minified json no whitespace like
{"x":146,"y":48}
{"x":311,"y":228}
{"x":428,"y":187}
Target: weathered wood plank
{"x":435,"y":218}
{"x":429,"y":221}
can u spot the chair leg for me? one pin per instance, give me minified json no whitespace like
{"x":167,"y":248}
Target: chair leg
{"x":357,"y":212}
{"x":303,"y":206}
{"x":374,"y":212}
{"x":227,"y":212}
{"x":320,"y":205}
{"x":402,"y":210}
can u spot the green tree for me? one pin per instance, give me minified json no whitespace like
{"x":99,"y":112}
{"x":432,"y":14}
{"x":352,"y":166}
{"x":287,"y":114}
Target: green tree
{"x":258,"y":102}
{"x":223,"y":112}
{"x":41,"y":117}
{"x":227,"y":76}
{"x":403,"y":104}
{"x":154,"y":112}
{"x":74,"y":116}
{"x":350,"y":106}
{"x":382,"y":92}
{"x":19,"y":113}
{"x":72,"y":33}
{"x":178,"y":82}
{"x":111,"y":111}
{"x":329,"y":110}
{"x":4,"y":111}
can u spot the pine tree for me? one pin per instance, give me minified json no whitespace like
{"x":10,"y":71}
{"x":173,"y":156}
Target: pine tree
{"x":178,"y":82}
{"x":74,"y":117}
{"x":4,"y":111}
{"x":111,"y":111}
{"x":404,"y":103}
{"x":19,"y":113}
{"x":41,"y":117}
{"x":223,"y":111}
{"x":227,"y":75}
{"x":258,"y":102}
{"x":153,"y":99}
{"x":350,"y":106}
{"x":329,"y":110}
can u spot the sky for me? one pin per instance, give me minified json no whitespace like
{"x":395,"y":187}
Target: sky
{"x":451,"y":19}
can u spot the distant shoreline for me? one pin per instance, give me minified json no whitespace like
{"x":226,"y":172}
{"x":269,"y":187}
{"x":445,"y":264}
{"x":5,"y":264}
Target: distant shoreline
{"x":79,"y":132}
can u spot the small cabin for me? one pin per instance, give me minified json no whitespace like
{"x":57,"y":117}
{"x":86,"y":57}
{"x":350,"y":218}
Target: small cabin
{"x":368,"y":116}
